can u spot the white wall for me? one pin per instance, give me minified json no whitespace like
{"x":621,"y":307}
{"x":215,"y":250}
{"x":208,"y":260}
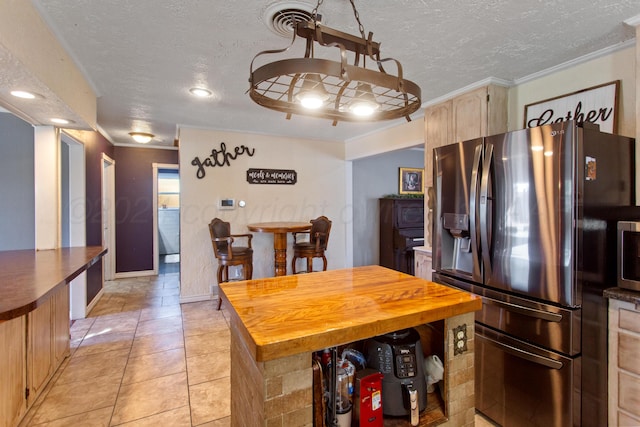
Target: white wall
{"x":396,"y":137}
{"x":320,"y":190}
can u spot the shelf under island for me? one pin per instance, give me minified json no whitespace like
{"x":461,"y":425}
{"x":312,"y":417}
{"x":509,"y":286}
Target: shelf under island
{"x":277,"y":323}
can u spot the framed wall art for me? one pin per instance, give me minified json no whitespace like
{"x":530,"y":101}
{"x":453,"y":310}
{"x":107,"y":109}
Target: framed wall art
{"x":597,"y":104}
{"x":411,"y":181}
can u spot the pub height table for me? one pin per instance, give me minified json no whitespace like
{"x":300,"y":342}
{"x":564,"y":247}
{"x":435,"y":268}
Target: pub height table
{"x":278,"y":322}
{"x":279,"y":230}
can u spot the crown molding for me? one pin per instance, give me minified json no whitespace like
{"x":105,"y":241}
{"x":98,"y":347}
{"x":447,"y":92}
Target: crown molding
{"x":634,"y":21}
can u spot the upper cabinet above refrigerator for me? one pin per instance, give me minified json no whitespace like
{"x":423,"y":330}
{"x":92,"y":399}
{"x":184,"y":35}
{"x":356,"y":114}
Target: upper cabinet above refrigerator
{"x":475,"y":114}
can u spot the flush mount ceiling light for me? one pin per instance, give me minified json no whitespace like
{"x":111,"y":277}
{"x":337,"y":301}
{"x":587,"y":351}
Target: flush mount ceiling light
{"x":60,"y":121}
{"x":200,"y":92}
{"x":334,"y":90}
{"x":25,"y":95}
{"x":141,"y":137}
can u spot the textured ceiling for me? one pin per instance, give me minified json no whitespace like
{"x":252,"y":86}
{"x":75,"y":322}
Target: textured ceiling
{"x":143,"y":56}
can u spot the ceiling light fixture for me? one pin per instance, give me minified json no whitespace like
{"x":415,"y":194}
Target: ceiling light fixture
{"x":200,"y":92}
{"x":59,"y":121}
{"x":141,"y":137}
{"x":25,"y":95}
{"x":336,"y":90}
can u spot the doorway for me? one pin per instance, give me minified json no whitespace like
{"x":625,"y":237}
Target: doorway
{"x":73,"y":214}
{"x":166,"y":218}
{"x":108,"y":216}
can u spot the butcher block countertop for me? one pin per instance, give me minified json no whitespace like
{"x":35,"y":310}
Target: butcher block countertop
{"x":287,"y":315}
{"x":28,"y":277}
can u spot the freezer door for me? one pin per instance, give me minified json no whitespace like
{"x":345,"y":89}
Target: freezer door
{"x":549,"y":326}
{"x":518,"y":384}
{"x":527,"y":213}
{"x":456,"y":223}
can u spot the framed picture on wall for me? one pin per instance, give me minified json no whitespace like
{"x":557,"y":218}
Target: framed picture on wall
{"x":411,"y":181}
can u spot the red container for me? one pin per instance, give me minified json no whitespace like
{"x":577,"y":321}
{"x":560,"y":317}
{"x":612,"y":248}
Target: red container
{"x":368,"y":398}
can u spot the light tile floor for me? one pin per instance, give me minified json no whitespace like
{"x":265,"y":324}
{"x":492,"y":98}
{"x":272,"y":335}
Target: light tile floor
{"x":142,"y":359}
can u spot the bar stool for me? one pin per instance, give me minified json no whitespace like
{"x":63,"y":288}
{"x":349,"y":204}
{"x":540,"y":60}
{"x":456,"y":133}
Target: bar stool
{"x":315,"y":246}
{"x":229,"y":255}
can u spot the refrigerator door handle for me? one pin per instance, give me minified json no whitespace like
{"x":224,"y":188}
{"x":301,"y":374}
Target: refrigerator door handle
{"x":531,"y":312}
{"x":473,"y":200}
{"x":526,"y":355}
{"x":484,"y":209}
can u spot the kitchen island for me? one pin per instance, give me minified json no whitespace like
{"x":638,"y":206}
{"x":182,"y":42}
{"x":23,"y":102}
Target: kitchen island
{"x":277,"y":323}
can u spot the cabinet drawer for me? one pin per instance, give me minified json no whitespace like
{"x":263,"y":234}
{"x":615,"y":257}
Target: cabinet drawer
{"x":629,"y":349}
{"x":630,"y":320}
{"x":629,"y":393}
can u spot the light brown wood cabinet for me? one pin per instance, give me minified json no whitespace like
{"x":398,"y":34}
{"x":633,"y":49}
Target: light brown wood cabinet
{"x":39,"y":348}
{"x":61,"y":324}
{"x":624,"y":370}
{"x":34,"y":345}
{"x":48,"y":340}
{"x":480,"y":112}
{"x":13,"y":380}
{"x":34,"y":330}
{"x":423,"y":267}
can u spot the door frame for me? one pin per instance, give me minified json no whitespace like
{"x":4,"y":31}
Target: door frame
{"x":108,"y":211}
{"x":156,"y":250}
{"x":77,"y":217}
{"x":77,"y":191}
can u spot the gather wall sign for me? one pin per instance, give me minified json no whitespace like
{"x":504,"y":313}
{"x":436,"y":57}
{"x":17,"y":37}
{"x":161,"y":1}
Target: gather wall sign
{"x":596,"y":104}
{"x":220,"y":157}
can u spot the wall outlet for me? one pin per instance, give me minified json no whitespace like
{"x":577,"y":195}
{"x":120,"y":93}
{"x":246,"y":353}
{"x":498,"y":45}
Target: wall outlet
{"x":459,"y":339}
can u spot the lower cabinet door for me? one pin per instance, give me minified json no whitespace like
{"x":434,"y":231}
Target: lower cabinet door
{"x":13,"y":380}
{"x":39,"y":356}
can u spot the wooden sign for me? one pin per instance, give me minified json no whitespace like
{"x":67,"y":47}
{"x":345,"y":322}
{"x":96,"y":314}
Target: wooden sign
{"x":272,"y":176}
{"x":596,"y":104}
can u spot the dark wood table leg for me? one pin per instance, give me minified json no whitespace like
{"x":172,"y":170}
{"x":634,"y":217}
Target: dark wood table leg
{"x":280,"y":250}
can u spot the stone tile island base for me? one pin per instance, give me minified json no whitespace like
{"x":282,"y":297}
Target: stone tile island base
{"x":278,"y":393}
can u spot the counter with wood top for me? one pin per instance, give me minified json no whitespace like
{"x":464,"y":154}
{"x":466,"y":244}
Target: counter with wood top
{"x":277,"y":323}
{"x":34,"y":321}
{"x":28,"y":277}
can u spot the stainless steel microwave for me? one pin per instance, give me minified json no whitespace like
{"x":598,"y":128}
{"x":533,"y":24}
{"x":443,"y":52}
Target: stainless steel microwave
{"x":629,"y":255}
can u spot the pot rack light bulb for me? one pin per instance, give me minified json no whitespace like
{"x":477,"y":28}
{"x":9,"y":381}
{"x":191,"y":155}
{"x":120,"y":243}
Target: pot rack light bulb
{"x":364,"y":103}
{"x":312,"y":94}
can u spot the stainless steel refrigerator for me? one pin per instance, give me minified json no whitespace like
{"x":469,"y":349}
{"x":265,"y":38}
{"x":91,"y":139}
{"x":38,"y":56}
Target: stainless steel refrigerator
{"x":525,"y":219}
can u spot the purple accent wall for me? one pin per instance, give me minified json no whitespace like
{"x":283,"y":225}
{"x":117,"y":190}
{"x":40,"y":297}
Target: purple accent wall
{"x":134,"y":205}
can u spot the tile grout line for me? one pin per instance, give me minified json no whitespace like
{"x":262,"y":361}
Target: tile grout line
{"x":113,"y":410}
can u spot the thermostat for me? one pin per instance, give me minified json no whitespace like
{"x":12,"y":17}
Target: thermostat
{"x":226,"y":204}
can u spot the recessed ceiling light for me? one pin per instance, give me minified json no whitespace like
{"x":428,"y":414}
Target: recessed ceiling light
{"x":200,"y":92}
{"x":61,"y":121}
{"x":24,"y":94}
{"x":141,"y":137}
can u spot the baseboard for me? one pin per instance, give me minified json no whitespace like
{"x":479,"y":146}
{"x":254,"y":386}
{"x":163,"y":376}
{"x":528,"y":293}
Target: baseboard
{"x":94,"y":301}
{"x":130,"y":274}
{"x":197,"y":298}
